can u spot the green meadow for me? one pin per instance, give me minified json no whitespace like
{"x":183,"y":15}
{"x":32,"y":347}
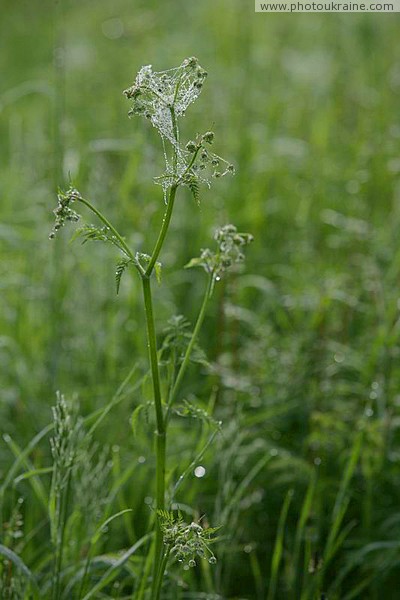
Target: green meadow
{"x":299,"y":354}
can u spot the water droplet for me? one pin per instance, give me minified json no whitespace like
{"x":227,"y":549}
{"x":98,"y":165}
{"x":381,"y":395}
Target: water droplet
{"x":339,"y":357}
{"x":218,"y":278}
{"x":199,"y":471}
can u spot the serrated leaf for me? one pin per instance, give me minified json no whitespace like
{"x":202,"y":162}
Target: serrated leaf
{"x":91,"y":233}
{"x":194,"y":187}
{"x":121,"y":266}
{"x":188,"y":409}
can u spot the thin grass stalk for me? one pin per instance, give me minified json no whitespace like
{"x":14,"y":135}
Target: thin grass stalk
{"x":186,"y":359}
{"x":160,"y":575}
{"x":61,"y":518}
{"x":304,"y":514}
{"x":278,"y":548}
{"x":335,"y":538}
{"x":341,"y":500}
{"x":20,"y":459}
{"x":145,"y":574}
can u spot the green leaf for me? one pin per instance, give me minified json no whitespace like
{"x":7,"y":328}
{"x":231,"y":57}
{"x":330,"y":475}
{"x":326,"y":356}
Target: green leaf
{"x":91,"y":233}
{"x":194,"y":262}
{"x":116,"y":567}
{"x":194,"y":187}
{"x":35,"y":482}
{"x":188,"y":409}
{"x":14,"y":558}
{"x":32,"y":473}
{"x":157,"y":269}
{"x":135,"y":418}
{"x":121,"y":266}
{"x":102,"y":529}
{"x":21,"y":457}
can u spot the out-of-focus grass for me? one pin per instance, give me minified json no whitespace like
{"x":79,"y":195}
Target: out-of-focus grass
{"x":302,"y":344}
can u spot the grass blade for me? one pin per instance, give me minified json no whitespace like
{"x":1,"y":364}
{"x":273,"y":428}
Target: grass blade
{"x":278,"y":549}
{"x":113,"y":571}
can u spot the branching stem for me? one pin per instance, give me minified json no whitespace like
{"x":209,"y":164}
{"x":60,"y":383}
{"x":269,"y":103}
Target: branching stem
{"x":163,"y":231}
{"x":189,"y":349}
{"x":123,"y":244}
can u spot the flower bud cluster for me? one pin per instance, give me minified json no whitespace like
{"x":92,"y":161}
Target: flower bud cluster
{"x":162,"y":97}
{"x":203,"y":157}
{"x":63,"y":212}
{"x":187,"y":542}
{"x":230,"y":245}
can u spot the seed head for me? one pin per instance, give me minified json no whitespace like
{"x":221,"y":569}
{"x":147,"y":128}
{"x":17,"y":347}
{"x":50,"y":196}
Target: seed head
{"x":191,"y":146}
{"x":186,"y":541}
{"x":63,"y":211}
{"x":191,"y":62}
{"x":229,"y":251}
{"x":208,"y":137}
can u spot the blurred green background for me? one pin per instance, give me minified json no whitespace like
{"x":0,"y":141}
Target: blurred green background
{"x":304,"y":344}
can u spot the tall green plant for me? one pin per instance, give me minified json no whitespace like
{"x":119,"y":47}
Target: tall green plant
{"x":162,"y":98}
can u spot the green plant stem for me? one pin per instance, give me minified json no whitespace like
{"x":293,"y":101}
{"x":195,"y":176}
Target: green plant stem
{"x":186,"y":359}
{"x":120,"y":239}
{"x":160,"y":429}
{"x":160,"y":434}
{"x":61,"y":518}
{"x":151,"y":337}
{"x":160,"y":575}
{"x":176,"y":136}
{"x":163,"y":231}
